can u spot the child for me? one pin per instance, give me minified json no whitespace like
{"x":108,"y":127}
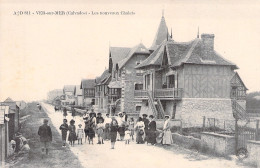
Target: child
{"x":80,"y":133}
{"x":64,"y":129}
{"x":131,"y":127}
{"x":127,"y":135}
{"x":13,"y":143}
{"x":72,"y":132}
{"x":100,"y":131}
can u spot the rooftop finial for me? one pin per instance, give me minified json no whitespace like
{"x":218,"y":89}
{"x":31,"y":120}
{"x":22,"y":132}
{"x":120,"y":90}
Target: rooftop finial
{"x":163,"y":12}
{"x":198,"y":35}
{"x":171,"y":32}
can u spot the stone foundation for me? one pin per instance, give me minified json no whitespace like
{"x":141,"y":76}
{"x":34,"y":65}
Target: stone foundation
{"x":191,"y":111}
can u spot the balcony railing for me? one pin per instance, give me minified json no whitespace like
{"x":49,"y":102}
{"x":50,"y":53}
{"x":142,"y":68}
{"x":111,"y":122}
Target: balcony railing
{"x":140,"y":94}
{"x":175,"y":93}
{"x":168,"y":93}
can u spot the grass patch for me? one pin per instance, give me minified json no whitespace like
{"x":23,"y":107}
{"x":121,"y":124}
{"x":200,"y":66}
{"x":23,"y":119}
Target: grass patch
{"x":59,"y":157}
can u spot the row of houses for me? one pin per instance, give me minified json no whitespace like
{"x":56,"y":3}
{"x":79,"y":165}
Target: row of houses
{"x":186,"y":80}
{"x":78,"y":95}
{"x":9,"y":124}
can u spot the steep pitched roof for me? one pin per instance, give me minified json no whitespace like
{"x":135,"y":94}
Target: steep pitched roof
{"x":179,"y":53}
{"x":78,"y":91}
{"x":87,"y":83}
{"x":196,"y":55}
{"x":68,"y":88}
{"x":236,"y":79}
{"x":118,"y":53}
{"x":138,"y":49}
{"x":155,"y":58}
{"x":161,"y":34}
{"x":9,"y":100}
{"x":103,"y":78}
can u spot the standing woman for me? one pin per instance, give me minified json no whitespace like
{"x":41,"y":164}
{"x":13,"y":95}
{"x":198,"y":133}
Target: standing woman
{"x":72,"y":132}
{"x":113,"y":128}
{"x":92,"y":125}
{"x":167,"y":134}
{"x":151,"y":137}
{"x":64,"y":112}
{"x":140,"y":131}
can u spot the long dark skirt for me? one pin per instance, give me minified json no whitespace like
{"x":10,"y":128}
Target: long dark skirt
{"x":121,"y":131}
{"x":113,"y":136}
{"x":72,"y":136}
{"x":91,"y":133}
{"x":151,"y":137}
{"x":140,"y":136}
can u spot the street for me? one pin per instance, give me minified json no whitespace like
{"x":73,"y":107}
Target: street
{"x":136,"y":155}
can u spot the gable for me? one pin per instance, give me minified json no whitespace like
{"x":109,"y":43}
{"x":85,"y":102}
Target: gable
{"x":236,"y":81}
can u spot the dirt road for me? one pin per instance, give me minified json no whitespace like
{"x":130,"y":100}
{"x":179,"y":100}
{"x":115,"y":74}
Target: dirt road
{"x":137,"y":155}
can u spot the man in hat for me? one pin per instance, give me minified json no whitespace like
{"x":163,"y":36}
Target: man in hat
{"x":146,"y":122}
{"x":107,"y":122}
{"x":45,"y":136}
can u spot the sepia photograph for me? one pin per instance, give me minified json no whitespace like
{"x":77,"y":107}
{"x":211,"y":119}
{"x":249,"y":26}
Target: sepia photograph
{"x":129,"y":84}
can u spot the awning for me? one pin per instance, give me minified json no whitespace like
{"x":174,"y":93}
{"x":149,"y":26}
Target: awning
{"x":115,"y":84}
{"x":171,"y":72}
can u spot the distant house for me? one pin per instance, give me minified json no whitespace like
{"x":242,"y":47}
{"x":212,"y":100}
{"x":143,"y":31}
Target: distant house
{"x":78,"y":96}
{"x":14,"y":116}
{"x":101,"y":92}
{"x":57,"y":101}
{"x":68,"y":91}
{"x":88,"y":92}
{"x":4,"y":133}
{"x":54,"y":93}
{"x":189,"y":80}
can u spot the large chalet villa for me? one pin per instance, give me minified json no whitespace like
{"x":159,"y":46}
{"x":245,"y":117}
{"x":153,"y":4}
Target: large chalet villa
{"x":186,"y":80}
{"x":189,"y":80}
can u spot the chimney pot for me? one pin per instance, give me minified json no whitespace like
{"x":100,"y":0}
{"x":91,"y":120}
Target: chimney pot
{"x":208,"y":41}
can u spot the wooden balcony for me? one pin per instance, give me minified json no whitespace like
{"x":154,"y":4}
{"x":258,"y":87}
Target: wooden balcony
{"x":169,"y":93}
{"x":141,"y":94}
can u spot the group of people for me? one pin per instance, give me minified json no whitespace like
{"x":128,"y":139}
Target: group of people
{"x":64,"y":110}
{"x":113,"y":128}
{"x":116,"y":128}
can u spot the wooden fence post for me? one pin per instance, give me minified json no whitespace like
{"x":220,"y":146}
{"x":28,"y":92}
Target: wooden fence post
{"x":204,"y":120}
{"x":256,"y":130}
{"x":236,"y":135}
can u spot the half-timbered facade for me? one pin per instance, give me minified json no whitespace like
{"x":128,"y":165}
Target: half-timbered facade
{"x":88,"y":92}
{"x":189,"y":80}
{"x":101,"y":92}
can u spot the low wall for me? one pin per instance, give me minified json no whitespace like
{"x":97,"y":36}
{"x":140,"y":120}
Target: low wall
{"x":220,"y":144}
{"x":253,"y":148}
{"x":187,"y":142}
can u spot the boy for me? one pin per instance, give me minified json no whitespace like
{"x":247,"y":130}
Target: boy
{"x":64,"y":129}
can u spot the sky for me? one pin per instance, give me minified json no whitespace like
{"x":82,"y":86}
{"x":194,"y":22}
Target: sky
{"x":39,"y":53}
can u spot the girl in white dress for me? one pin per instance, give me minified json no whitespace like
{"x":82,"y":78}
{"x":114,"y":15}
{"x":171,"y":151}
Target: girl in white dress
{"x":167,"y":134}
{"x":80,"y":134}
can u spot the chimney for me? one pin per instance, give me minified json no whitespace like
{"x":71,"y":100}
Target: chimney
{"x":208,"y":41}
{"x":207,"y":45}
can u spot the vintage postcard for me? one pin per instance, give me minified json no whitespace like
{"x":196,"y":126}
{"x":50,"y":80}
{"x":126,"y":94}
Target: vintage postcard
{"x":129,"y":84}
